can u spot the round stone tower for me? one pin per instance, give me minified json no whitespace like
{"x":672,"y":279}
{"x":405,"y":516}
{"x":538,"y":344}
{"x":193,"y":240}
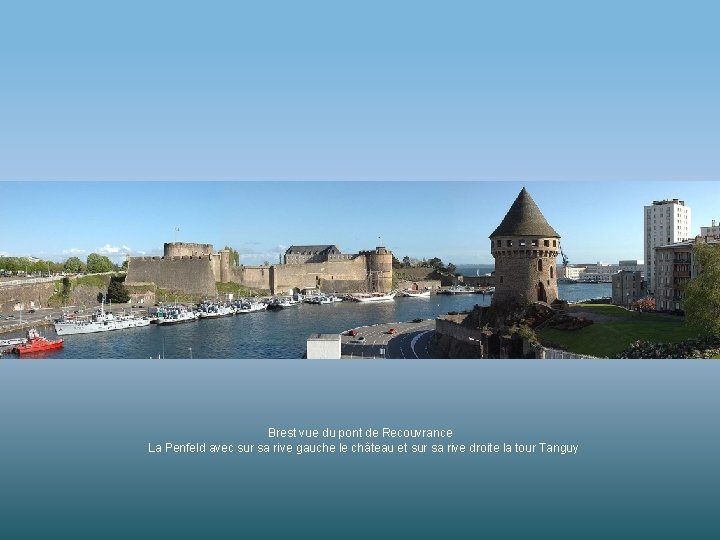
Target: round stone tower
{"x":525,"y":247}
{"x":379,"y":267}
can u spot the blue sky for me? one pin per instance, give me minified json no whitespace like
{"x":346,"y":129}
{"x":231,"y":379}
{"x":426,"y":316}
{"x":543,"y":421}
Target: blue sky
{"x":602,"y":96}
{"x":359,"y":91}
{"x":598,"y":221}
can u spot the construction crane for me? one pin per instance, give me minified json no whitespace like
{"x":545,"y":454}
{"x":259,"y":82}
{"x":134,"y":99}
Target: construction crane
{"x":564,"y":257}
{"x":565,"y":261}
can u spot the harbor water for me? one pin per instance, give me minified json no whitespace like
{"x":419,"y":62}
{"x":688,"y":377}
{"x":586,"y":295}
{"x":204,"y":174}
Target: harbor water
{"x":274,"y":334}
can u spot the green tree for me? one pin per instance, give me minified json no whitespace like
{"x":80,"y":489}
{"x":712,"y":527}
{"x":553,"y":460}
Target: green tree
{"x":117,"y":292}
{"x":406,"y":262}
{"x":450,"y":268}
{"x":98,"y":263}
{"x":436,"y":263}
{"x":702,"y":294}
{"x":74,"y":265}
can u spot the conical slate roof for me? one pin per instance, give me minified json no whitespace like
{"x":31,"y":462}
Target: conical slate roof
{"x":524,"y":219}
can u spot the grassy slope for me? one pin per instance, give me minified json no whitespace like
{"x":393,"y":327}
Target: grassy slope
{"x":606,"y":339}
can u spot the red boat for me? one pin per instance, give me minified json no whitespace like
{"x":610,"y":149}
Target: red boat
{"x":35,"y":343}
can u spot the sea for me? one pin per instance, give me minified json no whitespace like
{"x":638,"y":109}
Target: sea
{"x":280,"y":334}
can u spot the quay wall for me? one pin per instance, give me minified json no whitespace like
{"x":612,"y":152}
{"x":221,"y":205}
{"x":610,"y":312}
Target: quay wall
{"x":24,"y":297}
{"x":453,"y":339}
{"x":189,"y":275}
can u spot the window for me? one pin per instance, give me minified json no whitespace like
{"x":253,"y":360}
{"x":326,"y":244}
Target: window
{"x":499,"y":243}
{"x":539,"y":265}
{"x":508,"y":243}
{"x":554,"y":243}
{"x":551,"y":272}
{"x":501,"y":279}
{"x":546,"y":243}
{"x":534,"y":243}
{"x":522,"y":243}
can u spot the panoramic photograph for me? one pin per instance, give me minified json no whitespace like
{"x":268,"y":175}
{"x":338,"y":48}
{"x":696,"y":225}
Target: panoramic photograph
{"x":361,"y":270}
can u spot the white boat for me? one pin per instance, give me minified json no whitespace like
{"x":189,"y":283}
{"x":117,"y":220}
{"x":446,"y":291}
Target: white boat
{"x":416,"y":294}
{"x":457,"y":289}
{"x":250,"y":307}
{"x":177,"y":315}
{"x":100,"y":321}
{"x":12,"y":341}
{"x":375,"y":297}
{"x":214,"y":311}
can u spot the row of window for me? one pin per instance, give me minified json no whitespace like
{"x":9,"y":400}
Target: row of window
{"x":523,"y":243}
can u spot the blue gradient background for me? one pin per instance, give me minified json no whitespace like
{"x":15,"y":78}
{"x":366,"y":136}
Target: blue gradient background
{"x":74,"y":448}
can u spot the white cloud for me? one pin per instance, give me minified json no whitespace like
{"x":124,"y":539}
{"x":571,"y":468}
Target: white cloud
{"x":270,"y":255}
{"x":107,"y":249}
{"x":73,"y":251}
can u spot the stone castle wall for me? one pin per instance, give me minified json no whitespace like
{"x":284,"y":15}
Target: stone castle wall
{"x":187,"y":275}
{"x":371,"y":270}
{"x":256,"y":277}
{"x":287,"y":277}
{"x":24,"y":297}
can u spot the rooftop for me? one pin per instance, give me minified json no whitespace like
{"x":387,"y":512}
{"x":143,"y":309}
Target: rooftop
{"x":524,"y":219}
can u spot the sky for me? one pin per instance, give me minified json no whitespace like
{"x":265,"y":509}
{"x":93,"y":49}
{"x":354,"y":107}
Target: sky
{"x":597,"y":221}
{"x":326,"y":90}
{"x":592,"y":98}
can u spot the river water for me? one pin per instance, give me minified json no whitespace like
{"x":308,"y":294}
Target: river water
{"x":274,"y":334}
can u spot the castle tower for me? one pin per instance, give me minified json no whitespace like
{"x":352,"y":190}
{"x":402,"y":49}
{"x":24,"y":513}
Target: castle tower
{"x":187,"y":249}
{"x":525,"y":247}
{"x":225,"y":258}
{"x":379,"y":268}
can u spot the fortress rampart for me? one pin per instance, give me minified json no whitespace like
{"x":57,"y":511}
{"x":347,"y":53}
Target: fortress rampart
{"x":198,"y":274}
{"x":190,"y":275}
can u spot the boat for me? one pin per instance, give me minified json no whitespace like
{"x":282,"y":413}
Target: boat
{"x":35,"y":343}
{"x":457,"y":289}
{"x":250,"y":307}
{"x":100,"y":321}
{"x":208,"y":310}
{"x":177,"y":315}
{"x":12,"y":341}
{"x":282,"y":303}
{"x":375,"y":297}
{"x":416,"y":294}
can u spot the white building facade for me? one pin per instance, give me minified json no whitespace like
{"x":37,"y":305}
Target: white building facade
{"x":665,"y":222}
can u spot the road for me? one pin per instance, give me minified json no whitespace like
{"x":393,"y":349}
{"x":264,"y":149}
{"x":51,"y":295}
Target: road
{"x":411,"y":341}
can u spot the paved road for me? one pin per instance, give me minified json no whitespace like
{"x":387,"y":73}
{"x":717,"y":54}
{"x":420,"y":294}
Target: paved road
{"x":411,"y":341}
